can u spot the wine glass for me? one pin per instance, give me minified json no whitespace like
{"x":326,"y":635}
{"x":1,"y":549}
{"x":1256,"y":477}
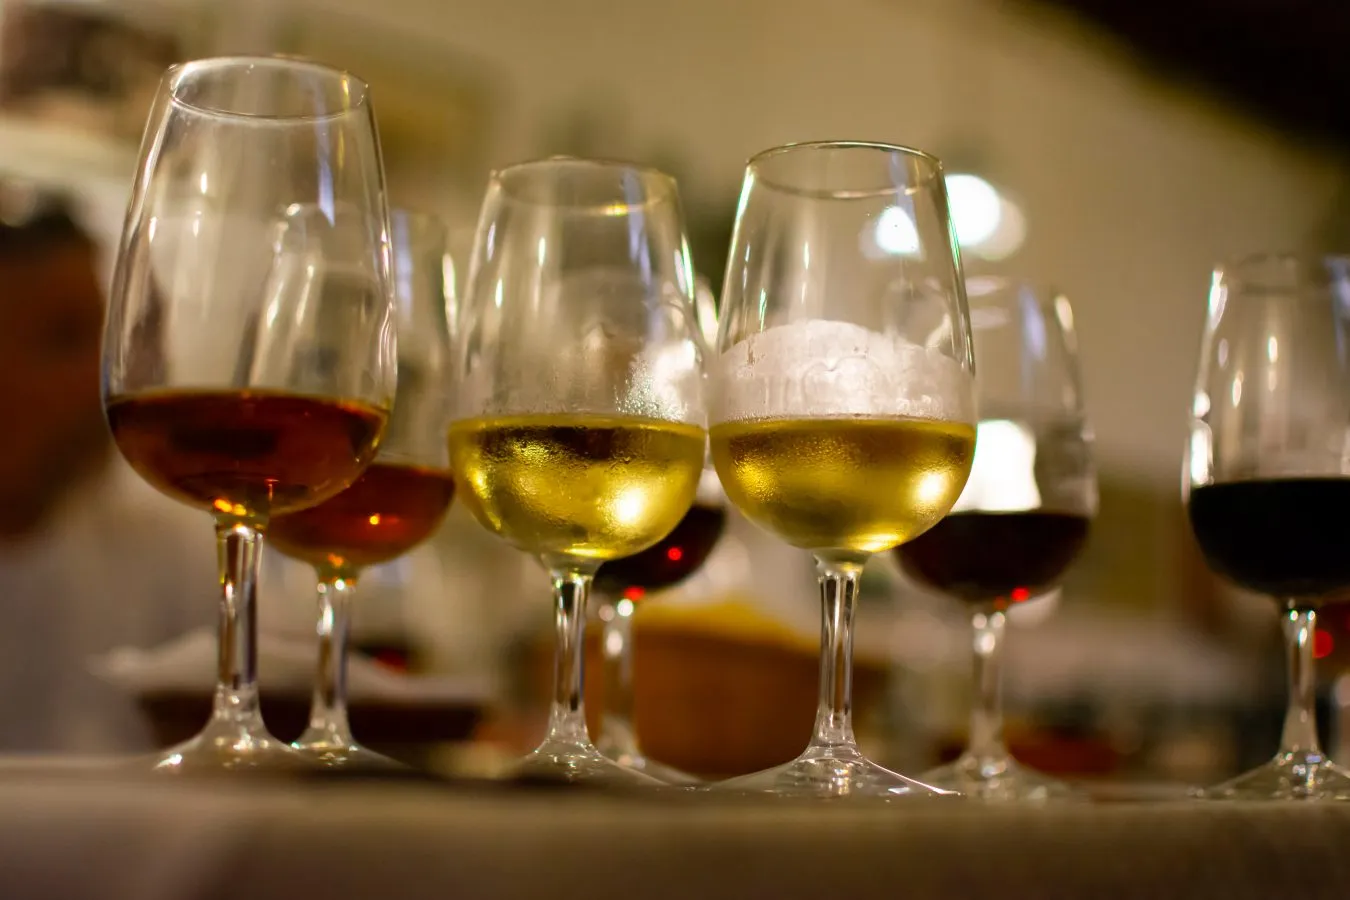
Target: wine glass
{"x":578,"y":434}
{"x":220,"y":391}
{"x":1023,"y":516}
{"x":1267,"y":474}
{"x":400,"y":500}
{"x":842,"y":398}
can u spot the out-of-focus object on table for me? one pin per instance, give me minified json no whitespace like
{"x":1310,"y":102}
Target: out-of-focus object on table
{"x":74,"y":834}
{"x":408,"y":717}
{"x":721,"y":687}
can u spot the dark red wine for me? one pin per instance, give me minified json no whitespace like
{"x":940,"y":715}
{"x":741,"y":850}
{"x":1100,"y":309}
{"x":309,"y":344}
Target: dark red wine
{"x":668,"y":563}
{"x":984,"y":557}
{"x":1286,"y":537}
{"x":245,"y":452}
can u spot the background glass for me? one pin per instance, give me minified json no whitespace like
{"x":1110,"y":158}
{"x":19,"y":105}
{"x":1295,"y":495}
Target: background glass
{"x":1267,"y":475}
{"x":842,"y":398}
{"x":578,"y":432}
{"x":222,"y":390}
{"x":1024,"y":514}
{"x":401,"y":499}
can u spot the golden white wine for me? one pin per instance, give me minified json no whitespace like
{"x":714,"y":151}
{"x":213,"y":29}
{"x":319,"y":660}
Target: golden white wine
{"x":589,"y":486}
{"x":861,"y":484}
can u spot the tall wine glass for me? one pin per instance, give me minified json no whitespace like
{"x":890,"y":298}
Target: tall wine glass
{"x":226,"y":394}
{"x":399,"y":501}
{"x":842,"y":398}
{"x":578,"y":433}
{"x":1267,"y":475}
{"x":1024,"y":514}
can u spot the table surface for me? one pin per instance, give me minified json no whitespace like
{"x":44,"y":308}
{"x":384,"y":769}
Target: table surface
{"x":71,"y":832}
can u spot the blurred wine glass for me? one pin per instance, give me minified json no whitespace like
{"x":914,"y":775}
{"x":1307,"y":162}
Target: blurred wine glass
{"x":401,"y":499}
{"x":1023,"y":516}
{"x":1267,"y":476}
{"x":223,"y":393}
{"x":579,"y":427}
{"x":842,"y":401}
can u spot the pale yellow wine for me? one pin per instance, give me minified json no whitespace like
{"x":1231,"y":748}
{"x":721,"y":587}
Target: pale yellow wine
{"x":860,"y":484}
{"x":588,"y":486}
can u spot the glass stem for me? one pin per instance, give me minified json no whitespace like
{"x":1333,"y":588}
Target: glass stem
{"x":986,"y":716}
{"x":239,"y":555}
{"x":567,"y":715}
{"x":328,"y":725}
{"x":834,"y":710}
{"x":1300,"y":720}
{"x":617,"y":737}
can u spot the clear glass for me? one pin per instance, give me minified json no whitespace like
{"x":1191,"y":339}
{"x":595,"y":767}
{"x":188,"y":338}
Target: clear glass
{"x":402,"y":498}
{"x":1267,"y":473}
{"x":1024,"y":514}
{"x":842,"y":396}
{"x":223,"y":390}
{"x":578,"y":432}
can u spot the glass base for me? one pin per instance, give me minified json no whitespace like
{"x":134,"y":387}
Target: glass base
{"x":347,"y":756}
{"x":999,"y":780}
{"x":1289,"y":776}
{"x":577,"y":763}
{"x":224,"y":747}
{"x":839,"y":771}
{"x":634,"y":759}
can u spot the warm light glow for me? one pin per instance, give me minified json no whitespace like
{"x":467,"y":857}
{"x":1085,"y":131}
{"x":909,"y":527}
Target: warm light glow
{"x":1323,"y":644}
{"x":375,"y":519}
{"x":674,"y":554}
{"x":1003,"y":473}
{"x":976,"y":208}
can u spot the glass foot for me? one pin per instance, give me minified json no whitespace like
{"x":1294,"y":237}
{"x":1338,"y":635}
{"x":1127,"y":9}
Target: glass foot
{"x":998,"y":780}
{"x":577,"y":763}
{"x":222,"y":749}
{"x":831,"y":772}
{"x":1289,"y":776}
{"x":347,"y":756}
{"x":634,"y":759}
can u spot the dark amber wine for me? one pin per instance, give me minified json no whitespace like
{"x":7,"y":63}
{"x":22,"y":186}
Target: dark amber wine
{"x":859,"y":484}
{"x":245,"y":452}
{"x":995,"y":557}
{"x":670,"y":560}
{"x":1285,"y":537}
{"x":389,"y":510}
{"x":596,"y":487}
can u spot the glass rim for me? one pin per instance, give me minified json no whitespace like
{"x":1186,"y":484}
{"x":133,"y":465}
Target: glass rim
{"x":754,"y":165}
{"x":1281,"y":270}
{"x":174,"y":74}
{"x":666,"y":184}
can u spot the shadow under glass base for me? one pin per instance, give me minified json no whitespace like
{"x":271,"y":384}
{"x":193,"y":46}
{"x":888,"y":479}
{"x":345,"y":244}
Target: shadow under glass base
{"x":223,"y":747}
{"x":347,"y":756}
{"x":999,"y":780}
{"x":575,"y":762}
{"x":832,"y":772}
{"x":1289,"y":776}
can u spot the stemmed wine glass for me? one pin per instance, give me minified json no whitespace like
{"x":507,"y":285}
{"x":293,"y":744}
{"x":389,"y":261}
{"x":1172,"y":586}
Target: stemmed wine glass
{"x":578,"y":434}
{"x":1267,"y":475}
{"x":1023,"y":516}
{"x":842,"y":398}
{"x":399,"y":501}
{"x":220,"y":393}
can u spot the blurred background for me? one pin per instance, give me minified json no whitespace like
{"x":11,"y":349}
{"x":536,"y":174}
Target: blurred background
{"x":1114,"y":149}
